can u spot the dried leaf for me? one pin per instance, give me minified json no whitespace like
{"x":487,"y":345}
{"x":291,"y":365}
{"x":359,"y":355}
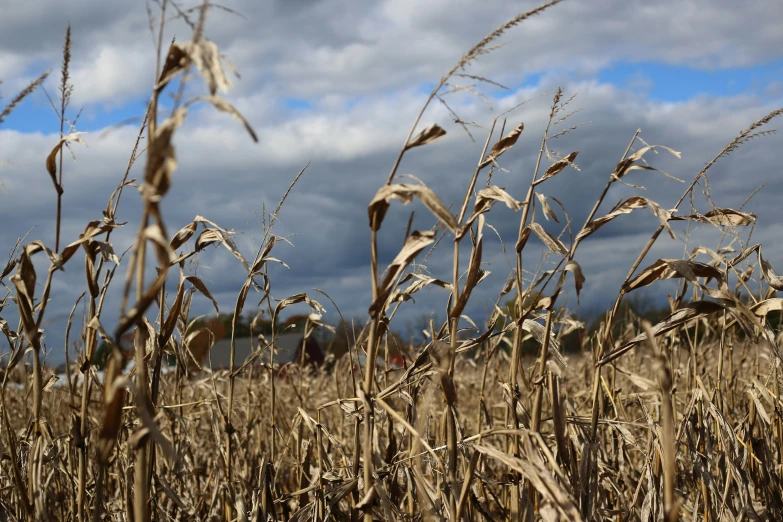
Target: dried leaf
{"x":689,"y":270}
{"x":299,"y":298}
{"x":166,"y":255}
{"x":485,"y":198}
{"x":551,"y":242}
{"x":432,"y":133}
{"x":524,"y":234}
{"x":405,"y":192}
{"x":199,"y":285}
{"x":767,"y":272}
{"x":557,"y":167}
{"x":628,"y":164}
{"x":416,"y":242}
{"x":724,"y":217}
{"x":176,"y":61}
{"x":421,"y":282}
{"x":531,"y":467}
{"x":547,"y":209}
{"x":475,"y":274}
{"x":161,"y":158}
{"x":627,"y":207}
{"x":502,"y":145}
{"x":184,"y":234}
{"x":51,"y":159}
{"x":223,"y":106}
{"x":498,"y":194}
{"x":113,"y":402}
{"x":94,"y":228}
{"x":174,"y":312}
{"x":579,"y":278}
{"x":206,"y":56}
{"x":50,"y":382}
{"x":763,"y":308}
{"x":762,"y":412}
{"x":217,"y":234}
{"x":24,"y":302}
{"x":678,"y":318}
{"x":538,"y":331}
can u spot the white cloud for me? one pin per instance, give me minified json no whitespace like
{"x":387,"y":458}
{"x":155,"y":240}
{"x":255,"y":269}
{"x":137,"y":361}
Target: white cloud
{"x":113,"y":75}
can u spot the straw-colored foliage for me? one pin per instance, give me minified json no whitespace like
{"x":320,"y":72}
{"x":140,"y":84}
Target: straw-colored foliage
{"x":679,"y":420}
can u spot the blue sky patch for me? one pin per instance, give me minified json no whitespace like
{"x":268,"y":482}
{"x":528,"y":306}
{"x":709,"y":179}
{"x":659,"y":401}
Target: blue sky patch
{"x":677,"y":83}
{"x":35,"y":114}
{"x":297,"y":104}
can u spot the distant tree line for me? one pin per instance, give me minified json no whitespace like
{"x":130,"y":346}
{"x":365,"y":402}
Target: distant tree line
{"x":337,"y":343}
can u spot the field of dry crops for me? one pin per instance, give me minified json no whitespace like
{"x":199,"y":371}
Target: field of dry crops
{"x":679,"y":420}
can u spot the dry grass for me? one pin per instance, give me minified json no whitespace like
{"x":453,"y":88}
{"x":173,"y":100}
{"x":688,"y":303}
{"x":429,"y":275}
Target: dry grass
{"x":468,"y":431}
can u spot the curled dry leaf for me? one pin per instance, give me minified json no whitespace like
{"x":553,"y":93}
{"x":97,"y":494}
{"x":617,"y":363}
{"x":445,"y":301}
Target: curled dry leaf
{"x":299,"y":298}
{"x":149,"y":426}
{"x":262,"y":259}
{"x":150,"y":294}
{"x":206,"y":56}
{"x":223,"y":106}
{"x":689,"y":270}
{"x":432,"y":133}
{"x":24,"y":302}
{"x":502,"y":145}
{"x":524,"y":234}
{"x":216,"y":234}
{"x":485,"y":198}
{"x":551,"y":242}
{"x":475,"y":274}
{"x":717,"y":260}
{"x":557,"y":167}
{"x":498,"y":194}
{"x":421,"y":282}
{"x":51,"y":159}
{"x":113,"y":402}
{"x":676,"y":319}
{"x":184,"y":234}
{"x":8,"y":268}
{"x":533,"y":469}
{"x":50,"y":382}
{"x":762,"y":412}
{"x":538,"y":332}
{"x":416,"y":242}
{"x":724,"y":217}
{"x":93,"y":229}
{"x":91,"y":251}
{"x":405,"y":192}
{"x":107,"y":252}
{"x":199,"y":285}
{"x":626,"y":207}
{"x":547,"y":209}
{"x":161,"y":158}
{"x":629,"y":163}
{"x":166,"y":255}
{"x":579,"y":278}
{"x":767,"y":272}
{"x":176,"y":61}
{"x":171,"y":320}
{"x":762,"y":309}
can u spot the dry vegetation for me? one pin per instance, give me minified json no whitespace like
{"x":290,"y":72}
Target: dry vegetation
{"x":677,"y":420}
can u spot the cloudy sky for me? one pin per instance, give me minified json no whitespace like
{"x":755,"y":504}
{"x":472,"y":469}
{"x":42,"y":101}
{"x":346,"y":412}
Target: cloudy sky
{"x":338,"y":84}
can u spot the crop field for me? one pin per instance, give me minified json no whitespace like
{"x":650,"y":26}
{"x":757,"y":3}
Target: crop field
{"x":629,"y":419}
